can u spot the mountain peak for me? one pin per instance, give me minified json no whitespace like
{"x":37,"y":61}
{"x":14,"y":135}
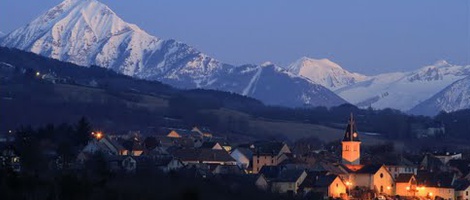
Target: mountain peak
{"x":441,"y":63}
{"x":324,"y":72}
{"x":84,"y":32}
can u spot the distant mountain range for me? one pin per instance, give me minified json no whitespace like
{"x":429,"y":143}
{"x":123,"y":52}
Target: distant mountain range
{"x":403,"y":90}
{"x":87,"y":32}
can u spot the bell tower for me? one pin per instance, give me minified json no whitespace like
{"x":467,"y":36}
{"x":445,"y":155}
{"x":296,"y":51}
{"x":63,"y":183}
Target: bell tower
{"x":351,"y":145}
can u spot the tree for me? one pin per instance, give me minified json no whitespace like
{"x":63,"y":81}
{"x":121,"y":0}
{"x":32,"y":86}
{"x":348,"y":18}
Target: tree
{"x":150,"y":143}
{"x":83,"y":131}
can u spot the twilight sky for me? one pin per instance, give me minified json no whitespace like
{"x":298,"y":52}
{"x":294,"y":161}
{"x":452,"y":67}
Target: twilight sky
{"x":365,"y":36}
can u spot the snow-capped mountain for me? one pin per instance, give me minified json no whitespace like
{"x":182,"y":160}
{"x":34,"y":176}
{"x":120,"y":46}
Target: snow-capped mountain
{"x":403,"y":90}
{"x":87,"y":32}
{"x":276,"y":86}
{"x":325,"y":72}
{"x":454,"y":97}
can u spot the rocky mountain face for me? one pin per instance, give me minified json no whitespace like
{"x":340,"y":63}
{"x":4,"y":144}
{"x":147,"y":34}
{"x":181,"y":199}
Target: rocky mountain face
{"x":87,"y":32}
{"x":452,"y":98}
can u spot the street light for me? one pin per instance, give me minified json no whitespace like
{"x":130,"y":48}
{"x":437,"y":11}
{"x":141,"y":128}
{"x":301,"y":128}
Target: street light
{"x":348,"y":184}
{"x":98,"y":135}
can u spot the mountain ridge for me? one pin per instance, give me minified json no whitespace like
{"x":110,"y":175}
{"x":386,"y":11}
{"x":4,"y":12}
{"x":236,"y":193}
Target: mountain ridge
{"x":90,"y":33}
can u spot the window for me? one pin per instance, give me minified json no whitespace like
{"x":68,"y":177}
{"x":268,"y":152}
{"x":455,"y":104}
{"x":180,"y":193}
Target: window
{"x":466,"y":193}
{"x":347,"y":148}
{"x":381,"y":175}
{"x":381,"y":189}
{"x":337,"y":185}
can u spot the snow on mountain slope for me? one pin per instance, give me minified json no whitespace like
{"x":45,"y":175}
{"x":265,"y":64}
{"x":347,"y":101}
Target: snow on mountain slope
{"x":324,"y":72}
{"x":276,"y":86}
{"x":87,"y":32}
{"x":404,"y":90}
{"x":454,"y":97}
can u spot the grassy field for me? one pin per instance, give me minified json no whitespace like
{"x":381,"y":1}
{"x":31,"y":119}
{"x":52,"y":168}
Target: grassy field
{"x":293,"y":130}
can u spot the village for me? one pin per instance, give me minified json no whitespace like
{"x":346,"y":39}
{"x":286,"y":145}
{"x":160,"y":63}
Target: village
{"x":274,"y":166}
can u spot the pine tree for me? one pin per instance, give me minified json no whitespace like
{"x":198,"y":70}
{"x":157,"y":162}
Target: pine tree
{"x":83,"y":131}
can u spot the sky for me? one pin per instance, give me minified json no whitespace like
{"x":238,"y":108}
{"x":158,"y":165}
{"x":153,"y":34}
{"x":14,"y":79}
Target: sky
{"x":365,"y":36}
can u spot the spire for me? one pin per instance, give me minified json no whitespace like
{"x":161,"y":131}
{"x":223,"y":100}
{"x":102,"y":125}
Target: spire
{"x":351,"y":132}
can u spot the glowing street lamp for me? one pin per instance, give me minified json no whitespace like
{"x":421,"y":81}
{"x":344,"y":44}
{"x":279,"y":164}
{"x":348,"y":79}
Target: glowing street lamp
{"x":98,"y":135}
{"x":348,"y":185}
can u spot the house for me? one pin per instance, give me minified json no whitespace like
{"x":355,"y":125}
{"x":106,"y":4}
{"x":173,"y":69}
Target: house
{"x":462,"y":189}
{"x":104,"y":145}
{"x":432,"y":163}
{"x":268,"y":154}
{"x":372,"y":177}
{"x":168,"y":163}
{"x":406,"y":185}
{"x":330,"y":185}
{"x":445,"y":157}
{"x":261,"y":182}
{"x":295,"y":163}
{"x":206,"y":156}
{"x":121,"y":163}
{"x":174,"y":134}
{"x":403,"y":166}
{"x":435,"y":185}
{"x":243,"y":156}
{"x":181,"y":142}
{"x":288,"y":181}
{"x":204,"y":132}
{"x":212,"y":145}
{"x":134,"y":148}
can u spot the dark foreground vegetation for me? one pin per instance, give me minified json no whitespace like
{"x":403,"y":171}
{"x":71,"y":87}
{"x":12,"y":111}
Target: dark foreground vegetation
{"x":96,"y":184}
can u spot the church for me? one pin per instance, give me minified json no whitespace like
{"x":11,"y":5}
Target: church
{"x":373,"y":177}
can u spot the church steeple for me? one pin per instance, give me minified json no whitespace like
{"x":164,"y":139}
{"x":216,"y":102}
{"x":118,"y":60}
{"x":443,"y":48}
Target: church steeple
{"x":351,"y":132}
{"x":351,"y":152}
